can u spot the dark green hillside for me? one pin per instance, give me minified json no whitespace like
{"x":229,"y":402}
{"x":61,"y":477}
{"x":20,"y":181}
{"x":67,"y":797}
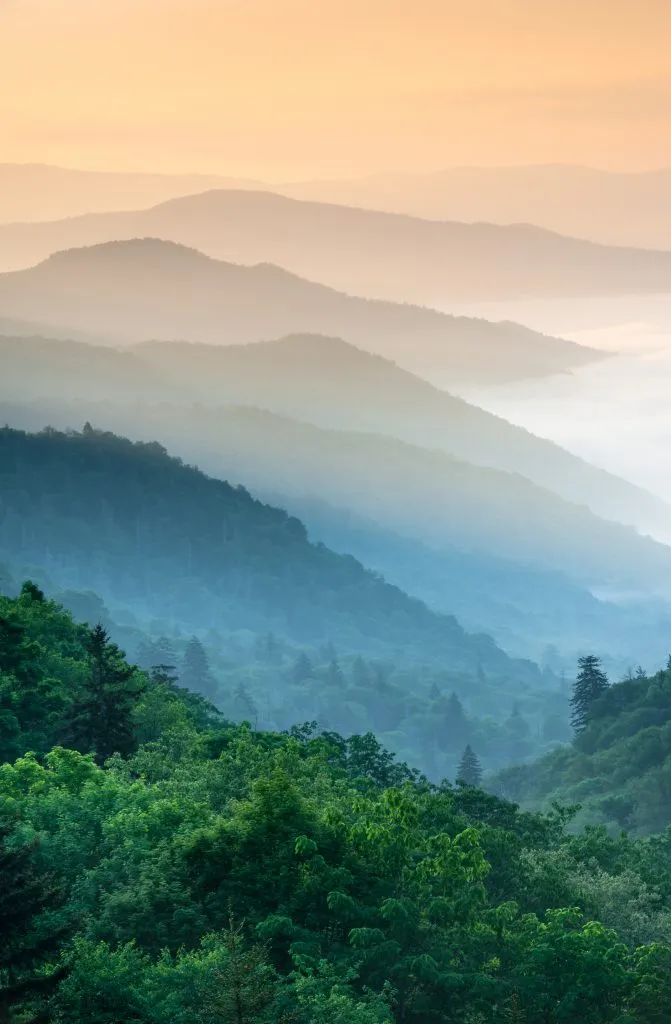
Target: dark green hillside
{"x":618,"y":767}
{"x":210,"y":873}
{"x":127,"y":520}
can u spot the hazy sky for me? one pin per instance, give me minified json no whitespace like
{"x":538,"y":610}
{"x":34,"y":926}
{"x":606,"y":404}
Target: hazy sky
{"x":295,"y":88}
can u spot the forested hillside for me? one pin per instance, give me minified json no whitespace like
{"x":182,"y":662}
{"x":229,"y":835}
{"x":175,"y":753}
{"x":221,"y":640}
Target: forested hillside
{"x":292,"y":622}
{"x":619,"y":765}
{"x":160,"y":865}
{"x":326,"y":382}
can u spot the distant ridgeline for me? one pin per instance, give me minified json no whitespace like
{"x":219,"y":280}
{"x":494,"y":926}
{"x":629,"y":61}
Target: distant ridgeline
{"x":161,"y":865}
{"x":303,"y":631}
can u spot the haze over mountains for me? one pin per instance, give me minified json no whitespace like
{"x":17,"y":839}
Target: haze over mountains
{"x":479,"y":540}
{"x":377,"y":255}
{"x":614,"y":208}
{"x":148,"y":289}
{"x":335,"y":512}
{"x":327,"y":382}
{"x":270,"y":342}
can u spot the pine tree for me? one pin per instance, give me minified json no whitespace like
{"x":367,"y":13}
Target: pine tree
{"x":303,"y":668}
{"x":334,"y":674}
{"x":25,"y":893}
{"x":102,"y":716}
{"x":455,"y":723}
{"x":470,"y":772}
{"x":243,"y":704}
{"x":591,"y":683}
{"x":245,"y":985}
{"x":196,"y":672}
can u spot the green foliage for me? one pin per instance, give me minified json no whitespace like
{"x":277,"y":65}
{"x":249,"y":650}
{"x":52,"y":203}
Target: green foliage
{"x":216,"y":873}
{"x":591,"y":684}
{"x":618,"y":768}
{"x":192,"y":573}
{"x":469,"y":771}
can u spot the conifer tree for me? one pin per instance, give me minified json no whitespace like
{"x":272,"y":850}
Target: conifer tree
{"x":334,"y":673}
{"x":303,"y":668}
{"x":196,"y":672}
{"x":455,"y":724}
{"x":469,"y":772}
{"x":25,"y":893}
{"x":243,"y":704}
{"x":102,"y":717}
{"x":591,"y":683}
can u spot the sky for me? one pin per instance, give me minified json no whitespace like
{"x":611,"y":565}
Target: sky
{"x":291,"y":89}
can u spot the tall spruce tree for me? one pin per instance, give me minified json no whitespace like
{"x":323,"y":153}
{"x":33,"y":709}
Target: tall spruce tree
{"x":25,"y":894}
{"x":469,"y":771}
{"x":101,"y":719}
{"x":591,"y":683}
{"x":196,"y":672}
{"x":303,"y":668}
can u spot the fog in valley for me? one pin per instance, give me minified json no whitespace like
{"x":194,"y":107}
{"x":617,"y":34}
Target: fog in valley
{"x":335,"y":512}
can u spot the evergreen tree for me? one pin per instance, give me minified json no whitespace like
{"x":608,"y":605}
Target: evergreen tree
{"x":245,"y":984}
{"x":102,"y":716}
{"x":455,"y":723}
{"x":244,"y":707}
{"x":16,"y":661}
{"x":196,"y":672}
{"x":334,"y":674}
{"x":470,"y":772}
{"x":25,"y":894}
{"x":303,"y":668}
{"x":591,"y":683}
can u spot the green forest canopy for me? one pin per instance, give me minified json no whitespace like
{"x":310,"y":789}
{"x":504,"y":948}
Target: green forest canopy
{"x":207,"y":872}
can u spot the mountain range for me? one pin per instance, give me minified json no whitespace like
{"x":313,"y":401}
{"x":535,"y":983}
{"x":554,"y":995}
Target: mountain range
{"x":326,"y":382}
{"x":614,"y":208}
{"x":150,"y":289}
{"x":378,"y":255}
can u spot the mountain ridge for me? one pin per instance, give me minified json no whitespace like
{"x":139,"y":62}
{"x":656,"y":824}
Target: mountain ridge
{"x":375,"y":254}
{"x":148,"y":288}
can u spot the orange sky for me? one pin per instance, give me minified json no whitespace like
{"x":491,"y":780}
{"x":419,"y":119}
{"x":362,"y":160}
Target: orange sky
{"x":297,"y":88}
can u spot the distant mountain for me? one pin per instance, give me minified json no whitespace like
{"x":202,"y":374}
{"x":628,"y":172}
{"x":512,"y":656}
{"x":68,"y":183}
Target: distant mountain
{"x":127,"y":521}
{"x":377,"y":255}
{"x":333,"y":384}
{"x":427,"y":496}
{"x":37,"y":192}
{"x":145,"y":288}
{"x":531,"y":612}
{"x":614,"y":208}
{"x":327,"y":382}
{"x":629,"y":209}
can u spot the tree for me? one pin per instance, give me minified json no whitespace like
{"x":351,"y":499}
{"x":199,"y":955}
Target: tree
{"x":303,"y":668}
{"x":25,"y":894}
{"x":455,"y":724}
{"x":244,"y":707}
{"x":591,"y":683}
{"x":469,"y":772}
{"x":196,"y":673}
{"x":334,"y":674}
{"x":102,"y":716}
{"x":245,"y":984}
